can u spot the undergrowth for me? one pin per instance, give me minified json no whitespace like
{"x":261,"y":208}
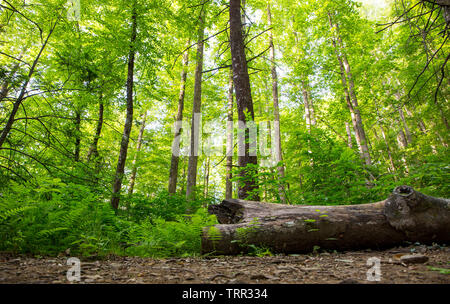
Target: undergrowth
{"x":55,"y":217}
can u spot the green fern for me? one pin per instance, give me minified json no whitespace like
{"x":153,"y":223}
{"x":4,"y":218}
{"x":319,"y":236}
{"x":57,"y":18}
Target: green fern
{"x":49,"y":232}
{"x":5,"y":214}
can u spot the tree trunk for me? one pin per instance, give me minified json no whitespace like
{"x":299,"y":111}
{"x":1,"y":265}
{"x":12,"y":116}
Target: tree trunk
{"x":405,"y":125}
{"x":77,"y":135}
{"x":173,"y":176}
{"x":205,"y":190}
{"x":351,"y":85}
{"x":129,"y":118}
{"x":349,"y":135}
{"x":406,"y":215}
{"x":276,"y":113}
{"x":136,"y":155}
{"x":306,"y":104}
{"x":244,"y":102}
{"x":196,"y":112}
{"x":230,"y":147}
{"x":388,"y":149}
{"x":345,"y":88}
{"x":401,"y":139}
{"x":93,"y":150}
{"x":350,"y":94}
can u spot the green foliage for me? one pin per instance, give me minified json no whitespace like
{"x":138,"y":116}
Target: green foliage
{"x":171,"y":238}
{"x":56,"y":216}
{"x":163,"y":205}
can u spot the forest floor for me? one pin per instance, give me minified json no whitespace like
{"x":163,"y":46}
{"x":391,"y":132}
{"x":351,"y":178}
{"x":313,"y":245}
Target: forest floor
{"x":341,"y":267}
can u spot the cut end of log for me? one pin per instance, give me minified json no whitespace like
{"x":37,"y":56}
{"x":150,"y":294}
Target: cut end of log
{"x":403,"y":190}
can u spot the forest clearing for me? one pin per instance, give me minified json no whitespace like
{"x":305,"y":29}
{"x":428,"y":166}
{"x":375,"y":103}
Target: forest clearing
{"x":224,"y":141}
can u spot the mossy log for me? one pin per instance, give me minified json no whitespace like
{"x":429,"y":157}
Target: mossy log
{"x":406,"y":216}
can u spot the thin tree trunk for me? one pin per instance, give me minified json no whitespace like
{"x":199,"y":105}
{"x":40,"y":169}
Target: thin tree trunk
{"x":351,"y":85}
{"x":173,"y":176}
{"x":350,"y":95}
{"x":129,"y":118}
{"x":136,"y":155}
{"x":388,"y":149}
{"x":244,"y":103}
{"x":196,"y":112}
{"x":306,"y":104}
{"x":405,"y":125}
{"x":229,"y":174}
{"x":276,"y":113}
{"x":349,"y":135}
{"x":183,"y":177}
{"x":422,"y":126}
{"x":401,"y":138}
{"x":312,"y":112}
{"x":93,"y":150}
{"x":205,"y":191}
{"x":345,"y":87}
{"x":77,"y":135}
{"x":22,"y":93}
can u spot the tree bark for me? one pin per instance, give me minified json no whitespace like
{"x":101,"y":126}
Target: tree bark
{"x":406,"y":215}
{"x":117,"y":185}
{"x":136,"y":155}
{"x":307,"y":107}
{"x":196,"y":112}
{"x":248,"y":184}
{"x":77,"y":135}
{"x":276,"y":113}
{"x":93,"y":150}
{"x":206,"y":183}
{"x":349,"y":135}
{"x":401,"y":139}
{"x":230,"y":147}
{"x":173,"y":175}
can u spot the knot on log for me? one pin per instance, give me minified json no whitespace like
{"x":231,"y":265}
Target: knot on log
{"x":415,"y":213}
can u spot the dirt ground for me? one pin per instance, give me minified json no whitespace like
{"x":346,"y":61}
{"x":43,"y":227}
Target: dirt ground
{"x":343,"y":267}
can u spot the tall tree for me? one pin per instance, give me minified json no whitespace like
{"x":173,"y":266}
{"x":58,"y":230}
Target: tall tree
{"x":248,"y":184}
{"x":173,"y":175}
{"x":136,"y":155}
{"x":229,"y":164}
{"x":196,"y":110}
{"x":117,"y":185}
{"x":276,"y":113}
{"x":349,"y":90}
{"x":93,"y":150}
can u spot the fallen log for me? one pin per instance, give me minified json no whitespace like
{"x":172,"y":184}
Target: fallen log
{"x":407,"y":215}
